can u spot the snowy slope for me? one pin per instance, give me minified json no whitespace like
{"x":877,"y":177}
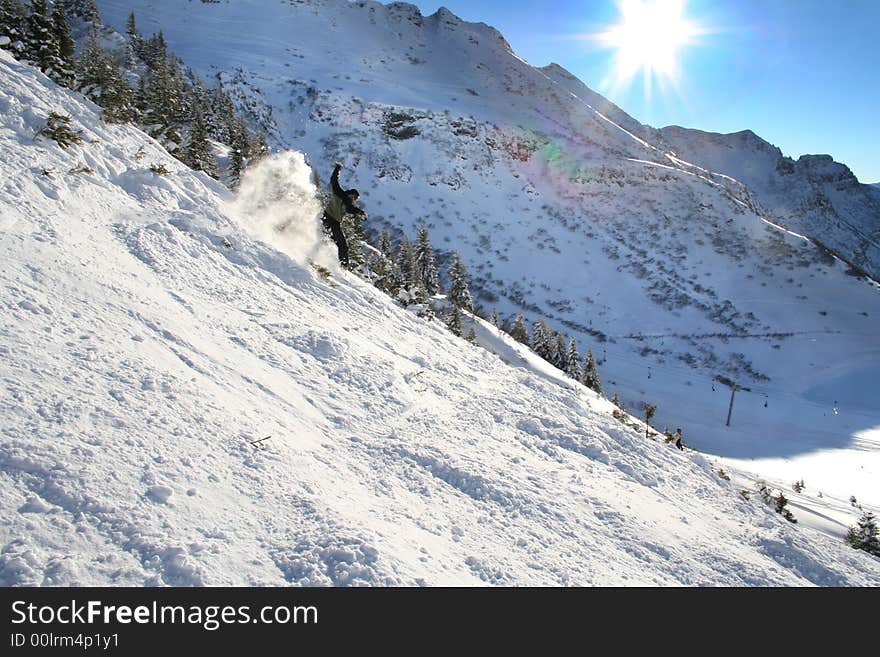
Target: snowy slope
{"x":142,"y":356}
{"x":814,"y":195}
{"x":678,"y":256}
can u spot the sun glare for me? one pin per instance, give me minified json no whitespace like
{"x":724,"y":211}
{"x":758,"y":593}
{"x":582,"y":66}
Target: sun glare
{"x":648,"y":39}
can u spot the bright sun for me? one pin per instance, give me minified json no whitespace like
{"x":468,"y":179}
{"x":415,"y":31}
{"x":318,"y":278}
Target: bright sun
{"x":648,"y":39}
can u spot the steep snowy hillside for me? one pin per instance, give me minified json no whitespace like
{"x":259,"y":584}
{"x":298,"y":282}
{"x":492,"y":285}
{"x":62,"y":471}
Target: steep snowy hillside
{"x":672,"y":268}
{"x":150,"y":341}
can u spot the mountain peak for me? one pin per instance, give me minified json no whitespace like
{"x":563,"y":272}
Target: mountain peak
{"x":446,"y":15}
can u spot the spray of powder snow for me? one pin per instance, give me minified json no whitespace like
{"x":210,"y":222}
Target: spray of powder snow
{"x":278,"y":204}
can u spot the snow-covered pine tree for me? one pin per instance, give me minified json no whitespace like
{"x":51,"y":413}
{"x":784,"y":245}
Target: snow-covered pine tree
{"x":865,"y":536}
{"x":560,"y":353}
{"x":87,"y":10}
{"x":454,"y":321}
{"x":155,"y":50}
{"x":184,"y":111}
{"x":259,"y":147}
{"x":238,"y":156}
{"x":590,"y":373}
{"x":459,"y":291}
{"x":573,"y":360}
{"x":519,"y":332}
{"x":412,"y":290}
{"x":405,"y":261}
{"x":41,"y":45}
{"x":223,"y":124}
{"x":384,"y":268}
{"x":99,"y":79}
{"x":541,"y":339}
{"x":495,"y":318}
{"x":160,"y":104}
{"x":63,"y":69}
{"x":135,"y":38}
{"x":472,"y":336}
{"x":13,"y":19}
{"x":197,"y":155}
{"x":425,"y":262}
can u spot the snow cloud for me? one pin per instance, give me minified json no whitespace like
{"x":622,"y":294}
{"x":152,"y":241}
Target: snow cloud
{"x":278,"y":204}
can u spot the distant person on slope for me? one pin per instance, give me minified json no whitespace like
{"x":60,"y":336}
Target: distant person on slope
{"x":678,"y":439}
{"x":339,"y":203}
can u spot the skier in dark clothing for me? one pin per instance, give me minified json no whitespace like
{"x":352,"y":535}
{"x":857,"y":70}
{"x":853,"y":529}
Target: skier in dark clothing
{"x":339,"y":203}
{"x":678,"y":439}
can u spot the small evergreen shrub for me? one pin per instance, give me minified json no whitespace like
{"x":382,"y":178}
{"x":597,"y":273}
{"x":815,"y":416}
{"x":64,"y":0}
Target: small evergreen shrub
{"x":865,"y":536}
{"x":58,"y":129}
{"x":780,"y":504}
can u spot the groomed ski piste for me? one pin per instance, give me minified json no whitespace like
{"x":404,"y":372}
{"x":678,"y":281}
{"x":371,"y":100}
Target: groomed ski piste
{"x":155,"y":329}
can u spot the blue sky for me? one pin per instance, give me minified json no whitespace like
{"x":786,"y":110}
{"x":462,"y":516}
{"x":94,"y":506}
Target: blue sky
{"x":802,"y":74}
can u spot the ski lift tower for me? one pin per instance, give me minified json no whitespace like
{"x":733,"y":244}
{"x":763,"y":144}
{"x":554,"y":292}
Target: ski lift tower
{"x":734,"y":388}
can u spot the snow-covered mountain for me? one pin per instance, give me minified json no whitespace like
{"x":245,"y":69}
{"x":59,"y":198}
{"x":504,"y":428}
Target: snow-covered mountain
{"x":154,"y":332}
{"x":678,"y":256}
{"x":813,"y":195}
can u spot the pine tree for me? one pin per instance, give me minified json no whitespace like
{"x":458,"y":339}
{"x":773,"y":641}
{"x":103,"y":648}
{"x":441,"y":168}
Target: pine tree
{"x":472,"y":336}
{"x":519,"y":332}
{"x":135,"y":38}
{"x":383,"y":267}
{"x":780,"y":504}
{"x":389,"y":281}
{"x":259,"y":147}
{"x":13,"y":19}
{"x":99,"y":79}
{"x":155,"y":50}
{"x":573,"y":360}
{"x":426,"y":265}
{"x":411,"y":288}
{"x":223,"y":124}
{"x":197,"y":155}
{"x":559,"y":353}
{"x":495,"y":318}
{"x":41,"y":45}
{"x":63,"y":68}
{"x":184,"y":111}
{"x":454,"y":321}
{"x":87,"y":10}
{"x":865,"y":536}
{"x":239,"y":142}
{"x":650,"y":410}
{"x":459,"y":292}
{"x":541,"y":343}
{"x":159,"y":99}
{"x":590,"y":373}
{"x":405,"y":262}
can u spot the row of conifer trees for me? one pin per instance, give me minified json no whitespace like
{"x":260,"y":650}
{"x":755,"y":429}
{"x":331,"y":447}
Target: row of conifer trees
{"x":143,"y":82}
{"x":409,"y":274}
